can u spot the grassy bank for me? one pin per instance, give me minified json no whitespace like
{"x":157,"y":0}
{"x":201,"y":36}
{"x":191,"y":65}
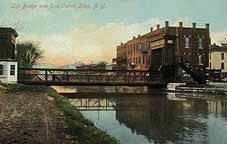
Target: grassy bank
{"x":78,"y":126}
{"x":81,"y":129}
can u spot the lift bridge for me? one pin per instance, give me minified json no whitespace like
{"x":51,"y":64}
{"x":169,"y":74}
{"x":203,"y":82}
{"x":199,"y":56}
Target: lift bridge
{"x":102,"y":77}
{"x":81,"y":77}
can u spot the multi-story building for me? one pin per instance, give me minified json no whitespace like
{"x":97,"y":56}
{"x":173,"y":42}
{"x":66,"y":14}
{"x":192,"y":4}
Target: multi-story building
{"x":163,"y":49}
{"x":137,"y":53}
{"x":218,"y":57}
{"x":8,"y":64}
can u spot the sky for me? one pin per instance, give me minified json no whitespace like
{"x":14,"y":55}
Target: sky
{"x":89,"y":30}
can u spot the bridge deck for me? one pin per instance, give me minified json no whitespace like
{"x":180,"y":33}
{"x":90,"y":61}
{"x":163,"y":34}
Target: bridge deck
{"x":62,"y":83}
{"x":60,"y":77}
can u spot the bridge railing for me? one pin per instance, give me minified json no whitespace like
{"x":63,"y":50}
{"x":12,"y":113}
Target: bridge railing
{"x":84,"y":76}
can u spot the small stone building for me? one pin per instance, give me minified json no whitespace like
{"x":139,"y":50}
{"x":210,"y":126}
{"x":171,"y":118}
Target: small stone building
{"x":8,"y":63}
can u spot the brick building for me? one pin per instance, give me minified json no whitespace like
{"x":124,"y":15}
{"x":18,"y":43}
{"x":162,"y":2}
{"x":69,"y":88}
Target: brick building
{"x":137,"y":52}
{"x":163,"y":49}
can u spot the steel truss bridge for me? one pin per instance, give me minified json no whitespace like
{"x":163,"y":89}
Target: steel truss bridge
{"x":78,"y":77}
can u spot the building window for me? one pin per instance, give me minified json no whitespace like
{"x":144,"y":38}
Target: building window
{"x":200,"y":43}
{"x":210,"y":65}
{"x":1,"y":69}
{"x":139,"y":60}
{"x":222,"y":56}
{"x":170,"y":41}
{"x":200,"y":60}
{"x":144,"y":47}
{"x":129,"y":49}
{"x":143,"y":60}
{"x":139,"y":47}
{"x":222,"y":66}
{"x":12,"y":69}
{"x":187,"y":42}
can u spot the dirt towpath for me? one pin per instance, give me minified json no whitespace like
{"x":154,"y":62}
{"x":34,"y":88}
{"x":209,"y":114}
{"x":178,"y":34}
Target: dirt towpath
{"x":30,"y":117}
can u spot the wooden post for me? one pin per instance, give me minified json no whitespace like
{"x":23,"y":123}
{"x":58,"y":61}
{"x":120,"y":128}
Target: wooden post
{"x":46,"y":76}
{"x":128,"y":76}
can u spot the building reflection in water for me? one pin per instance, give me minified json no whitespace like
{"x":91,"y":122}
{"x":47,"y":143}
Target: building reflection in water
{"x":162,"y":120}
{"x":165,"y":119}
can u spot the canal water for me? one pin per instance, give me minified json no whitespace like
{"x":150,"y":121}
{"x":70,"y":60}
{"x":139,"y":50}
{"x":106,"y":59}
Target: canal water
{"x":157,"y":118}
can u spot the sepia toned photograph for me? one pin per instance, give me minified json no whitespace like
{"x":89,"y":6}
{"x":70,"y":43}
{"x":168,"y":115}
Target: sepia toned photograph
{"x":113,"y":72}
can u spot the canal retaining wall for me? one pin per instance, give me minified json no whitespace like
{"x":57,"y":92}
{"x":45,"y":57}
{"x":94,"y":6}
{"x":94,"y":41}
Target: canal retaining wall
{"x":210,"y":90}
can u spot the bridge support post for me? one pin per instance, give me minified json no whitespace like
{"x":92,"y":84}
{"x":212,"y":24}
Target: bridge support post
{"x":155,"y":88}
{"x":46,"y":77}
{"x":152,"y":89}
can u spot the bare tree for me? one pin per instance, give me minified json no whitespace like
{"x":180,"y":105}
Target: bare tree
{"x":28,"y":53}
{"x":225,"y":40}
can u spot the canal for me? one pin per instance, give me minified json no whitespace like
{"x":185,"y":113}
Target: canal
{"x":156,"y":118}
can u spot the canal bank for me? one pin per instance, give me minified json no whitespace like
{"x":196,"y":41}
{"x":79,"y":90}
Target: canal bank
{"x":43,"y":111}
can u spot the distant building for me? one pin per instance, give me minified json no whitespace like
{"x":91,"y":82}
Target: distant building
{"x":167,"y":46}
{"x":218,"y":57}
{"x":8,"y":64}
{"x":121,"y":60}
{"x":92,"y":67}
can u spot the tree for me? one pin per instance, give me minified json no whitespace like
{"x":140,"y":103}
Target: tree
{"x":28,"y":53}
{"x":225,"y":40}
{"x":102,"y":63}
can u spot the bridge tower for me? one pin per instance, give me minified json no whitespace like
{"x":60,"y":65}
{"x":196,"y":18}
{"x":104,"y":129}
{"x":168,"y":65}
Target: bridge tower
{"x":179,"y":51}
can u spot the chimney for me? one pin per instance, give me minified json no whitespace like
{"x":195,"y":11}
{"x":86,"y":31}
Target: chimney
{"x":134,"y":37}
{"x":151,"y":29}
{"x":207,"y":26}
{"x":138,"y":35}
{"x":158,"y":26}
{"x":121,"y":43}
{"x":194,"y":25}
{"x":214,"y":44}
{"x":180,"y":24}
{"x":166,"y":23}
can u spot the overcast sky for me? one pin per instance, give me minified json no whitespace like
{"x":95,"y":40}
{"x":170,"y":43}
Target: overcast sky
{"x":89,"y":30}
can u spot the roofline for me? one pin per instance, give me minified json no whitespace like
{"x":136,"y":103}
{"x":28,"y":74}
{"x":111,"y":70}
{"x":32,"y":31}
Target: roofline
{"x":10,"y":29}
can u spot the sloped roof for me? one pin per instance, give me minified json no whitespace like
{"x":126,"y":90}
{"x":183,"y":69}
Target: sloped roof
{"x":8,"y":29}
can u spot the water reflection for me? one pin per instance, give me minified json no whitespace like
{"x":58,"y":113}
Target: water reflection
{"x":162,"y":120}
{"x":146,"y":119}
